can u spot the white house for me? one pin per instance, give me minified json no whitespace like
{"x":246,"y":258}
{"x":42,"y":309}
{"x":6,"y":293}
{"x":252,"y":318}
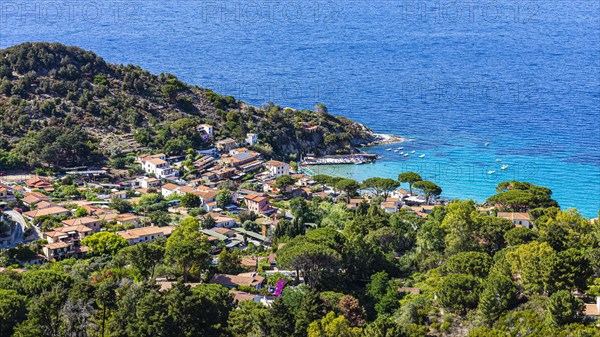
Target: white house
{"x":207,"y":129}
{"x":119,"y":194}
{"x":157,"y":165}
{"x":221,"y":220}
{"x":277,"y":168}
{"x":168,"y":190}
{"x":519,"y":219}
{"x":146,"y":182}
{"x":251,"y":139}
{"x":389,"y":207}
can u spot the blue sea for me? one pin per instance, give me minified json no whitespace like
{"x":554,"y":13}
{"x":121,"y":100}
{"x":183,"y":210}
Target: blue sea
{"x":450,"y":76}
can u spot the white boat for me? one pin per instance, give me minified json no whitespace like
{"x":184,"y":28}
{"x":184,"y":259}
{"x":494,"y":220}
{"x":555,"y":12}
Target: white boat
{"x":390,"y":149}
{"x":504,"y":167}
{"x":402,"y":152}
{"x":486,"y":144}
{"x":422,"y":156}
{"x":498,"y":160}
{"x":491,"y":172}
{"x":401,"y":148}
{"x":413,"y":151}
{"x":396,"y":151}
{"x":406,"y":154}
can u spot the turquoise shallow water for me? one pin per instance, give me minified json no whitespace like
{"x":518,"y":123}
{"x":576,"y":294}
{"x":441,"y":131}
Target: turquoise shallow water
{"x":462,"y":171}
{"x":450,"y":75}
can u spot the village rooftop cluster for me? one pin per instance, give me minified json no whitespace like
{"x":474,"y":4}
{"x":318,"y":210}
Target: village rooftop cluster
{"x":233,"y":183}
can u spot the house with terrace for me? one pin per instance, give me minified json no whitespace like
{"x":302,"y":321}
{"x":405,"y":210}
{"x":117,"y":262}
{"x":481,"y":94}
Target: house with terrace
{"x":204,"y":162}
{"x":65,"y":242}
{"x":147,"y":182}
{"x":157,"y":165}
{"x":277,"y":168}
{"x":206,"y":194}
{"x":220,"y":220}
{"x":226,"y":144}
{"x":243,"y":159}
{"x":206,"y":129}
{"x":168,"y":190}
{"x":146,"y":234}
{"x":257,"y":204}
{"x":6,"y":194}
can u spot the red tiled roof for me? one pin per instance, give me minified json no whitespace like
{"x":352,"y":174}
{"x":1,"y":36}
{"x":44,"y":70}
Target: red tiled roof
{"x":237,"y":280}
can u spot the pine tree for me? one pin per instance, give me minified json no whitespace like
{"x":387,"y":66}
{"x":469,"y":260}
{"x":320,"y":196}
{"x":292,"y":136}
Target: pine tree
{"x":310,"y":310}
{"x":281,"y":320}
{"x":500,"y":294}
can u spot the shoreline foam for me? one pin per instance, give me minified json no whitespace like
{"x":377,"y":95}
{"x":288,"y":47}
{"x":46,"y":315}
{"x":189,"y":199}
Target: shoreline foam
{"x":383,"y":139}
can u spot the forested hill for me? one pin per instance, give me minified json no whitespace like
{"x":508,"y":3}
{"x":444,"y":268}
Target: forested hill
{"x":64,"y":106}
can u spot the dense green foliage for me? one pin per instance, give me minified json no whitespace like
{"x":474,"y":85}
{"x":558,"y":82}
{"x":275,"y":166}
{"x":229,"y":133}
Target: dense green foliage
{"x":473,"y":272}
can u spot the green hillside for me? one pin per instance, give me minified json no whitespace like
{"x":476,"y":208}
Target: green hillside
{"x":64,"y":106}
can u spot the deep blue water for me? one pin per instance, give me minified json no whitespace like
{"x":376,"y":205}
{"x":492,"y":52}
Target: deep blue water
{"x":450,"y":75}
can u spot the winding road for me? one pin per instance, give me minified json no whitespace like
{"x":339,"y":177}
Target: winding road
{"x":19,"y":231}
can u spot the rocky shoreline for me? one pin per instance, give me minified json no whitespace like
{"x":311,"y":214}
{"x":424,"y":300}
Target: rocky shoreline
{"x":383,"y":139}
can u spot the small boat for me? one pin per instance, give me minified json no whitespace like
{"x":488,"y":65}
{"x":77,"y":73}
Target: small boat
{"x":406,"y":154}
{"x":390,"y":149}
{"x":422,"y":156}
{"x":504,"y":167}
{"x":413,"y":151}
{"x":396,"y":151}
{"x":498,"y":160}
{"x":401,"y":148}
{"x":402,"y":152}
{"x":491,"y":172}
{"x":487,"y":144}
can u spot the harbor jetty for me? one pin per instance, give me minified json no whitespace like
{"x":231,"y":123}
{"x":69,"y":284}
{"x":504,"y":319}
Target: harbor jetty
{"x":355,"y":158}
{"x":360,"y":158}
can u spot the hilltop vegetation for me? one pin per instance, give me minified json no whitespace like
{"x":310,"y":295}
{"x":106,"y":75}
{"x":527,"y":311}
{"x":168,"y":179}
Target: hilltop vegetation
{"x":48,"y":89}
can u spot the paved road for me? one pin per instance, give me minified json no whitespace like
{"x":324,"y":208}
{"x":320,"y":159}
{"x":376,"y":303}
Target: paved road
{"x":19,"y":230}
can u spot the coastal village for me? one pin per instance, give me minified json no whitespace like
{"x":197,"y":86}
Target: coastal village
{"x":232,"y":183}
{"x":238,"y":196}
{"x":300,"y":169}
